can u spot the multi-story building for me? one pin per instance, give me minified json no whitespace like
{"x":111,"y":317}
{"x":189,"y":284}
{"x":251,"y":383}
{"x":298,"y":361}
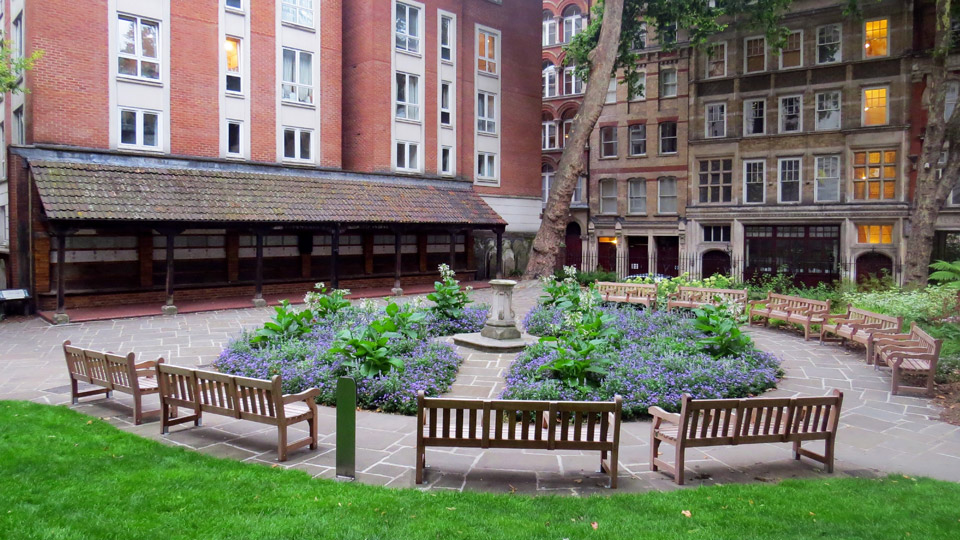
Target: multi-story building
{"x":231,"y":147}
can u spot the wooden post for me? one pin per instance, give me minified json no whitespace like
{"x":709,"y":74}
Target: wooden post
{"x":499,"y":254}
{"x":453,"y":249}
{"x":61,"y":263}
{"x":335,"y":258}
{"x":398,"y":254}
{"x":170,"y":308}
{"x":258,"y":286}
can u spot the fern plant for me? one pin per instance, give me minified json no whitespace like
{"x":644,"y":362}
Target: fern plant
{"x":947,"y":273}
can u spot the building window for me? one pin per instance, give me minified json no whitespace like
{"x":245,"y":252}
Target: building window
{"x":875,"y":175}
{"x":578,"y":191}
{"x":608,"y":196}
{"x":716,"y":180}
{"x":667,"y":195}
{"x":297,"y":144}
{"x":756,"y":54}
{"x":572,"y":23}
{"x":717,"y":60}
{"x":716,"y":233}
{"x":298,"y":12}
{"x":297,"y":76}
{"x":446,"y":160}
{"x":549,"y":32}
{"x":549,"y":80}
{"x":828,"y":179}
{"x":139,"y":40}
{"x":716,"y":123}
{"x":138,"y":128}
{"x":950,"y":100}
{"x":486,"y":165}
{"x":754,"y":116}
{"x":408,"y":156}
{"x":639,"y":92}
{"x":487,"y":52}
{"x":791,"y":114}
{"x":408,"y":96}
{"x":828,"y":44}
{"x":875,"y":107}
{"x":19,"y":127}
{"x":637,"y":191}
{"x":611,"y":91}
{"x":234,"y":133}
{"x":788,"y":170}
{"x":639,"y":37}
{"x":567,"y":129}
{"x":791,"y":55}
{"x":638,"y":140}
{"x":17,"y":44}
{"x":446,"y":39}
{"x":445,"y":112}
{"x":231,"y":48}
{"x":3,"y":225}
{"x":668,"y":82}
{"x":608,"y":142}
{"x":875,"y":38}
{"x":754,"y":181}
{"x":235,"y":4}
{"x":548,"y":135}
{"x":875,"y":234}
{"x":828,"y":110}
{"x":667,"y":33}
{"x":668,"y":137}
{"x":408,"y":28}
{"x":486,"y":113}
{"x":546,"y":178}
{"x":572,"y":84}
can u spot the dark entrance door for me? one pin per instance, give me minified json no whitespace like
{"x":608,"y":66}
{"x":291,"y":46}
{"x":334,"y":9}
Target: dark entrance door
{"x":808,"y":253}
{"x":668,"y":255}
{"x":873,"y":265}
{"x":573,"y":253}
{"x":716,"y":262}
{"x":607,"y":256}
{"x":639,"y":255}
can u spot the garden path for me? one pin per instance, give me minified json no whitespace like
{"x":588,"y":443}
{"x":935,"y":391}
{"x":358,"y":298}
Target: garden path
{"x":880,"y":433}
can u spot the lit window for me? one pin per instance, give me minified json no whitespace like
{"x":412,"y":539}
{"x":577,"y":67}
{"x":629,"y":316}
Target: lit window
{"x":875,"y":175}
{"x":486,"y":165}
{"x":875,"y":234}
{"x":139,"y":40}
{"x":234,"y":142}
{"x":637,"y":192}
{"x":297,"y":144}
{"x":717,"y":60}
{"x":486,"y":113}
{"x":549,"y":29}
{"x":572,"y":84}
{"x":789,"y":173}
{"x":791,"y":55}
{"x":231,"y":48}
{"x":608,"y":142}
{"x":828,"y":44}
{"x":638,"y":140}
{"x":875,"y":38}
{"x":548,"y":135}
{"x":487,"y":52}
{"x":754,"y":116}
{"x":139,"y":129}
{"x":446,"y":160}
{"x":446,"y":39}
{"x":548,"y":81}
{"x":716,"y":121}
{"x":408,"y":96}
{"x":611,"y":91}
{"x":875,"y":107}
{"x":791,"y":114}
{"x":297,"y":12}
{"x":408,"y":28}
{"x":716,"y":180}
{"x":828,"y":179}
{"x":446,"y":116}
{"x":756,"y":57}
{"x":754,"y":180}
{"x":828,"y":110}
{"x":297,"y":83}
{"x":668,"y":137}
{"x":572,"y":23}
{"x":608,"y":196}
{"x":668,"y":82}
{"x":667,"y":195}
{"x":716,"y":233}
{"x":408,"y":156}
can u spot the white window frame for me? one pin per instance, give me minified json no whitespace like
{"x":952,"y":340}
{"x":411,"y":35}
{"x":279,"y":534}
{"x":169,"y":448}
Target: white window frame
{"x":238,"y":74}
{"x":545,"y":135}
{"x":817,"y":178}
{"x":746,"y":57}
{"x":565,"y":130}
{"x":763,"y":180}
{"x":642,"y":82}
{"x":660,"y":195}
{"x":488,"y":60}
{"x":839,"y":110}
{"x":447,"y":47}
{"x":240,"y":147}
{"x":578,"y":191}
{"x":608,"y":198}
{"x":139,"y":145}
{"x":298,"y":10}
{"x":546,"y":183}
{"x":296,"y":85}
{"x":228,"y":7}
{"x":19,"y":126}
{"x":547,"y":26}
{"x":406,"y":36}
{"x":676,"y":138}
{"x":549,"y":75}
{"x":886,"y":105}
{"x":615,"y":142}
{"x":709,"y":59}
{"x":137,"y":55}
{"x":487,"y":166}
{"x":950,"y":99}
{"x":781,"y":117}
{"x":664,"y":85}
{"x":486,"y":118}
{"x":747,"y":116}
{"x":863,"y":41}
{"x":799,"y":180}
{"x":576,"y":25}
{"x":445,"y":107}
{"x":448,"y":171}
{"x":406,"y":147}
{"x":576,"y":84}
{"x":839,"y":54}
{"x":630,"y":131}
{"x":611,"y":91}
{"x":298,"y":136}
{"x":780,"y":55}
{"x":707,"y":119}
{"x":411,"y":101}
{"x":642,"y":182}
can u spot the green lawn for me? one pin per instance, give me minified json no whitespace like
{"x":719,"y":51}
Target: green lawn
{"x":64,"y":475}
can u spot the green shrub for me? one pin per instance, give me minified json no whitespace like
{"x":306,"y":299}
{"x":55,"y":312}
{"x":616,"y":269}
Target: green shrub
{"x":666,"y":287}
{"x":448,"y":298}
{"x":324,"y":304}
{"x":586,"y":278}
{"x":286,"y":324}
{"x":722,"y":329}
{"x":926,"y":305}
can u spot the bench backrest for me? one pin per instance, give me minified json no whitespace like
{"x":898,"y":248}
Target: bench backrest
{"x":76,"y":363}
{"x":259,"y":399}
{"x":797,"y":301}
{"x":932,"y":345}
{"x":112,"y":371}
{"x":888,"y":322}
{"x":711,"y":296}
{"x":710,"y":422}
{"x":635,"y":290}
{"x":220,"y":393}
{"x":178,"y":386}
{"x":123,"y":374}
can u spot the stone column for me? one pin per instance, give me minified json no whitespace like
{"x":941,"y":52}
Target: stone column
{"x":502,"y":323}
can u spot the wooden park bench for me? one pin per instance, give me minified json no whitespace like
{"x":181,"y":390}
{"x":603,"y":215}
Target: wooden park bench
{"x":694,"y":297}
{"x":725,"y":422}
{"x":111,"y":372}
{"x":243,"y":398}
{"x":628,"y":293}
{"x":859,"y":326}
{"x":913,"y":353}
{"x":793,"y":309}
{"x":535,"y":425}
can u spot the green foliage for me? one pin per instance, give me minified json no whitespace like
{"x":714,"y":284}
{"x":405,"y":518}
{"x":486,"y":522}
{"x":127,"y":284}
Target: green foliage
{"x":666,"y":287}
{"x":586,"y":278}
{"x":407,"y":320}
{"x":560,"y":286}
{"x":927,"y":305}
{"x":722,"y":328}
{"x":13,"y":67}
{"x":286,"y":324}
{"x":582,"y":355}
{"x":324,"y":304}
{"x":448,"y":298}
{"x":947,"y":273}
{"x":367,"y":350}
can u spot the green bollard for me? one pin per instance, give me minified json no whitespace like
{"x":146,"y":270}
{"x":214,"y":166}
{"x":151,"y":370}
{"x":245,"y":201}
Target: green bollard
{"x":346,"y":451}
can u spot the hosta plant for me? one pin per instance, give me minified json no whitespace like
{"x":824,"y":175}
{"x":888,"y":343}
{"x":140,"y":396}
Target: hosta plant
{"x":448,"y":298}
{"x":286,"y":324}
{"x":323,"y":303}
{"x":367,"y":349}
{"x":722,"y":330}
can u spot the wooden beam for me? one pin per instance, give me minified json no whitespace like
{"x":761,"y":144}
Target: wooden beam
{"x":398,"y":254}
{"x":335,"y":258}
{"x":61,"y":270}
{"x":169,"y":284}
{"x":258,"y":292}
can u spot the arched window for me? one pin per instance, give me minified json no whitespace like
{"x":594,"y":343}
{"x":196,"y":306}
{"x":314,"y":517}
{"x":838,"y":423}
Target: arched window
{"x":566,"y":121}
{"x":572,"y":84}
{"x":549,"y":29}
{"x":572,"y":23}
{"x":546,"y":175}
{"x":549,"y":79}
{"x":548,"y":132}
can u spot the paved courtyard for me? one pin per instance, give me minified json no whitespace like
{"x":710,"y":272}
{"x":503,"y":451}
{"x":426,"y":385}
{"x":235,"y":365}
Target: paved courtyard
{"x":880,"y":433}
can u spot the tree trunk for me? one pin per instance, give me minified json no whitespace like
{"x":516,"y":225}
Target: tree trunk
{"x":550,"y":237}
{"x":932,"y":189}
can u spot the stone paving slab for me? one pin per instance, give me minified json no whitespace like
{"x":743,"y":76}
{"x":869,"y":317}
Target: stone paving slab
{"x":879,"y":433}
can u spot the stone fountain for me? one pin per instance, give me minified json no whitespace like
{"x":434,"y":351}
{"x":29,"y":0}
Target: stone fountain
{"x":500,"y":332}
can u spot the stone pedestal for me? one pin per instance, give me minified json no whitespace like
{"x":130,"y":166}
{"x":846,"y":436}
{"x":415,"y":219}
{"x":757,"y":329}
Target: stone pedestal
{"x":169,"y":309}
{"x":502,"y":324}
{"x":259,"y":302}
{"x":397,"y":291}
{"x":61,"y":318}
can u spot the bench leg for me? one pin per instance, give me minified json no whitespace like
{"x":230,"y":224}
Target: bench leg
{"x":654,"y":450}
{"x":314,"y":431}
{"x":895,"y":382}
{"x":281,"y":443}
{"x":421,"y":463}
{"x":614,"y":458}
{"x":678,"y":465}
{"x":137,"y":410}
{"x":828,"y":454}
{"x":796,"y":450}
{"x":930,"y":383}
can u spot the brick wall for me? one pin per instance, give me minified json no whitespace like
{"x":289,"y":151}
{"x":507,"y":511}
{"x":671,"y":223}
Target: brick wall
{"x":263,"y":87}
{"x":194,"y":81}
{"x":331,"y":84}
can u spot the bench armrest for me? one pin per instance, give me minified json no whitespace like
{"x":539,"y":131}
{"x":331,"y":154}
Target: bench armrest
{"x":661,"y":414}
{"x":302,"y":396}
{"x":756,"y":302}
{"x":899,"y":357}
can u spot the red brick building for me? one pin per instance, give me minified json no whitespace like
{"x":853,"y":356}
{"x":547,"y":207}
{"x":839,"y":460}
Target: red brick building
{"x":154,"y":130}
